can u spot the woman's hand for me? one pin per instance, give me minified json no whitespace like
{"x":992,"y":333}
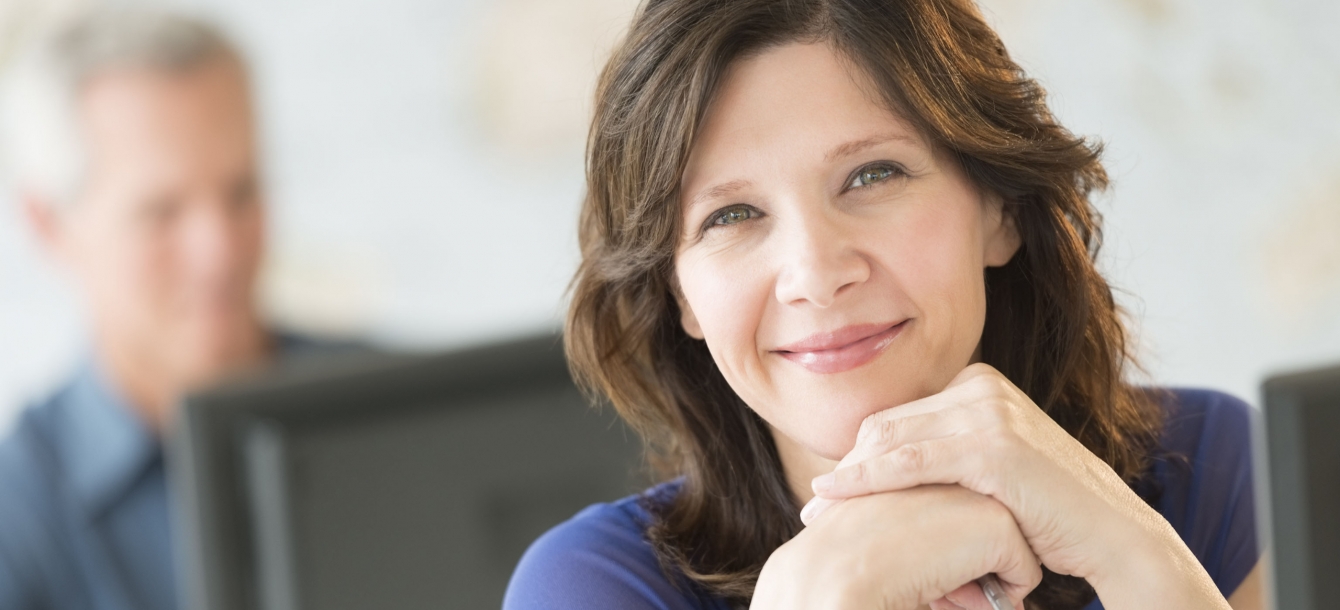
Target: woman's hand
{"x":986,"y":435}
{"x":900,"y":551}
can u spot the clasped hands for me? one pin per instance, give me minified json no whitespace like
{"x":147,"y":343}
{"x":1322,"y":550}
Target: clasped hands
{"x":937,"y":492}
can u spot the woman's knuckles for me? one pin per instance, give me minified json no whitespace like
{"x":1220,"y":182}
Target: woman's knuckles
{"x":909,"y":460}
{"x":898,"y":469}
{"x":972,"y":373}
{"x":882,"y":431}
{"x":853,"y":479}
{"x":984,"y":434}
{"x":951,"y":536}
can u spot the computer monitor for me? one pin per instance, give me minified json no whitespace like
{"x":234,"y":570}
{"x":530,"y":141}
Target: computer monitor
{"x":1302,"y":486}
{"x":406,"y":482}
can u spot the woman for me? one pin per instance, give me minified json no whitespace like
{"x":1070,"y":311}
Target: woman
{"x":838,"y":271}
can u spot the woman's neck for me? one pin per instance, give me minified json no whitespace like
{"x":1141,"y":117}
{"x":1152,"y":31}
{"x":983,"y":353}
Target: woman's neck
{"x":800,"y":465}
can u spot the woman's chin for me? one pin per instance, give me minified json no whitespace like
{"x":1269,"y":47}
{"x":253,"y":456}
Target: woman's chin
{"x":824,"y":417}
{"x":834,"y":449}
{"x":828,"y":440}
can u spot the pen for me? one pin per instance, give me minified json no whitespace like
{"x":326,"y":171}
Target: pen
{"x":994,"y":592}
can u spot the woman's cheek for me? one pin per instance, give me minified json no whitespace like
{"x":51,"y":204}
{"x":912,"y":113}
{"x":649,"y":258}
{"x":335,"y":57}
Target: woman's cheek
{"x":727,"y":297}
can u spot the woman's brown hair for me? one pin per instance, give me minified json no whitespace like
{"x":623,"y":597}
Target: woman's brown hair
{"x":1052,"y":326}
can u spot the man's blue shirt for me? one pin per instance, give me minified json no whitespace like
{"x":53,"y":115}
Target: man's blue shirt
{"x":84,"y":503}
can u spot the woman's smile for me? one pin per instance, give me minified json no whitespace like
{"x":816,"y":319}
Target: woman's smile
{"x":842,"y":350}
{"x":828,"y":224}
{"x":793,"y":232}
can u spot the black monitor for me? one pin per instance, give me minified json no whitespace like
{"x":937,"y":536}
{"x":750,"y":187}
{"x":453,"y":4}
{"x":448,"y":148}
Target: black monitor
{"x":1302,"y":486}
{"x":381,"y":481}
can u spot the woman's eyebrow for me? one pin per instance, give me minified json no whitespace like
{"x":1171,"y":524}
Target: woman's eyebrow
{"x":851,"y":148}
{"x":842,"y":150}
{"x":719,"y":190}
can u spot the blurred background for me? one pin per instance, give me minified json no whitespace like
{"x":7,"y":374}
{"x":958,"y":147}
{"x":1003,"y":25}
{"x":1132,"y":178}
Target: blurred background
{"x":424,"y":171}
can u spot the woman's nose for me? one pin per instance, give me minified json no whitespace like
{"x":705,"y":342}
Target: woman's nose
{"x":819,"y":261}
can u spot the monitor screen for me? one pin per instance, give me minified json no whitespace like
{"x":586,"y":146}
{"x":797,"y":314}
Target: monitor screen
{"x":389,"y":481}
{"x":1302,"y":483}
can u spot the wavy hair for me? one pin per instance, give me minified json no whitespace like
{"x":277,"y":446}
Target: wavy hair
{"x":1052,"y":326}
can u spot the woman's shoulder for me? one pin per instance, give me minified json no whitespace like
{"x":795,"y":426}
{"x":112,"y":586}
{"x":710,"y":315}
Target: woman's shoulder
{"x":601,"y":558}
{"x":1200,"y":419}
{"x":1203,"y":462}
{"x":1203,"y":474}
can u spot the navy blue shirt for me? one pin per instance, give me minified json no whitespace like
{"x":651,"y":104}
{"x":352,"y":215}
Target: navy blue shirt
{"x":84,"y":503}
{"x":1200,"y":481}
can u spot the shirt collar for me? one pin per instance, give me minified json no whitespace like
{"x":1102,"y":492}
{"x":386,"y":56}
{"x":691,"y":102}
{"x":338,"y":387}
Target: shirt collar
{"x":108,"y":446}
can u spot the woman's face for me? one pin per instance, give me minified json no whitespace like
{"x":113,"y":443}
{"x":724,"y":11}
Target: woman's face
{"x":831,"y":259}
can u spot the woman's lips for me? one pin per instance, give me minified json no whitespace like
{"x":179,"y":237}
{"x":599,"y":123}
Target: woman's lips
{"x":843,"y":350}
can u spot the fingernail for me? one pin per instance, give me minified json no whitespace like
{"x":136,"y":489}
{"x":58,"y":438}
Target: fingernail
{"x":810,"y":509}
{"x":816,"y":507}
{"x":823,"y":483}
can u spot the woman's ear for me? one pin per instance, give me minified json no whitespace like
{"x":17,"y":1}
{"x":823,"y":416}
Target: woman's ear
{"x":1002,"y":234}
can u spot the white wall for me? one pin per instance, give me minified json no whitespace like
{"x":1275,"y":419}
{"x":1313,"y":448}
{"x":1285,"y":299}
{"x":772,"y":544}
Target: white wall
{"x":1222,"y":119}
{"x":425,"y":165}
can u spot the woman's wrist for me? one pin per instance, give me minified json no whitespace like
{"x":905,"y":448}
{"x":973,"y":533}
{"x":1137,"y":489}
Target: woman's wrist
{"x":1149,"y":566}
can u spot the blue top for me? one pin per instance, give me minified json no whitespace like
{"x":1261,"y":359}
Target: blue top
{"x":1201,"y":483}
{"x":84,"y":503}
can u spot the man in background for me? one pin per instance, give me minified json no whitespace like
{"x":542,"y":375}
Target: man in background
{"x":131,"y":141}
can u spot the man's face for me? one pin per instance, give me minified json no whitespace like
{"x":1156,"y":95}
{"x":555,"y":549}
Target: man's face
{"x":166,"y":236}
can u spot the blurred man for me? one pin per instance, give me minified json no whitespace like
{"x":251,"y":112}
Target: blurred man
{"x":131,"y":142}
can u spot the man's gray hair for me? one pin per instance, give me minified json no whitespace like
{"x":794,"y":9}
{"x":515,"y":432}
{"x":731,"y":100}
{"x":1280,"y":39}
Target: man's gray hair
{"x":40,"y":142}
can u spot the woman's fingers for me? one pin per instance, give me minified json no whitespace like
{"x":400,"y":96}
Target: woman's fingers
{"x":919,"y":421}
{"x":947,"y":536}
{"x":814,"y":508}
{"x":1011,"y":559}
{"x":956,"y":460}
{"x":881,"y":434}
{"x":967,"y":597}
{"x":1018,"y":575}
{"x":903,"y":468}
{"x":928,"y":418}
{"x":949,"y":460}
{"x":976,"y":399}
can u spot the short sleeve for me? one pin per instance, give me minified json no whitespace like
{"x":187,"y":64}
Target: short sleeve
{"x":1206,"y":478}
{"x":598,"y":560}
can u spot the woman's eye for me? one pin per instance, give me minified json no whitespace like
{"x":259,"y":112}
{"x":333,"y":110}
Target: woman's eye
{"x":871,"y":175}
{"x":732,"y":215}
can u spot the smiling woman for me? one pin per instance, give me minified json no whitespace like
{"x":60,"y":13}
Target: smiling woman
{"x":851,"y":246}
{"x":838,"y":268}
